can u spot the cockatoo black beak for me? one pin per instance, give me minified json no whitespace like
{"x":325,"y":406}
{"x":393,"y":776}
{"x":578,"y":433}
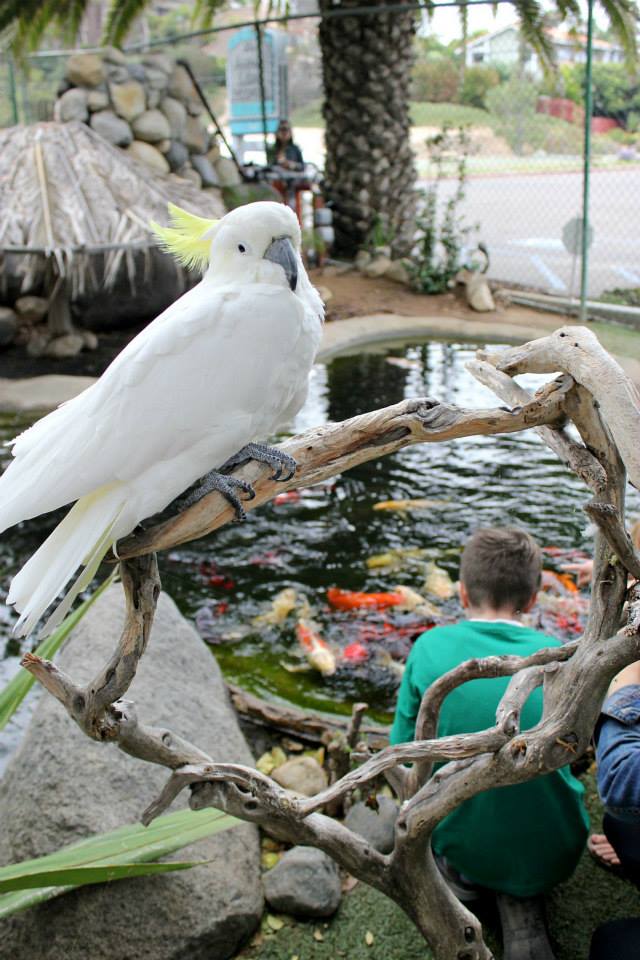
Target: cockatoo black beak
{"x":281,"y":251}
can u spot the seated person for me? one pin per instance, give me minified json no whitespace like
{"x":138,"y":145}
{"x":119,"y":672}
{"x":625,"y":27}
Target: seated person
{"x":285,"y":153}
{"x":618,"y":756}
{"x":517,"y":841}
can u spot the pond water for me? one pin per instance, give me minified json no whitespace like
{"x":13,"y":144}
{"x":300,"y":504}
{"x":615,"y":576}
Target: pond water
{"x":324,"y":537}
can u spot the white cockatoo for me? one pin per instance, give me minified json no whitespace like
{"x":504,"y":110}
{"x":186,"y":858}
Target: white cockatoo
{"x":217,"y":371}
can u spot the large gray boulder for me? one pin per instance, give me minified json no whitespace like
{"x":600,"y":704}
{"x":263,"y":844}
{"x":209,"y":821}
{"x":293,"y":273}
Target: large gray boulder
{"x":62,"y":787}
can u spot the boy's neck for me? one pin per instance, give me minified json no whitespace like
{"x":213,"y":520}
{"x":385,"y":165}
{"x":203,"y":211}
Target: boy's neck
{"x":490,"y":613}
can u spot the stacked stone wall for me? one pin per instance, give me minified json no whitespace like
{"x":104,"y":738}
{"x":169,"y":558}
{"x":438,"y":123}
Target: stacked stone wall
{"x":149,"y":107}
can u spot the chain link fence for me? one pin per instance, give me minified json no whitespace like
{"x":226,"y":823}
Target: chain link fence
{"x":526,"y":141}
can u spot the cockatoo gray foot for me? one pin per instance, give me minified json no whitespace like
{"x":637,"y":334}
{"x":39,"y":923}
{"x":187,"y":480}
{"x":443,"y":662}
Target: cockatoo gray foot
{"x":283,"y":465}
{"x":227,"y":486}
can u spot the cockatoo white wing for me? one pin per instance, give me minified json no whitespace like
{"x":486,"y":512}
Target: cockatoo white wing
{"x":211,"y":373}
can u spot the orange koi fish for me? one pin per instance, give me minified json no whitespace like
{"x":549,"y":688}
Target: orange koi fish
{"x":316,"y":650}
{"x":354,"y":599}
{"x":559,"y":583}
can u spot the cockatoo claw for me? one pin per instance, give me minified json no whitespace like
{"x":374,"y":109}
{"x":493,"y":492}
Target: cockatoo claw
{"x":283,"y":465}
{"x":227,"y":486}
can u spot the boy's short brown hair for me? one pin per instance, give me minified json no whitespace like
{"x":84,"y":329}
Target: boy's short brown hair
{"x":501,"y":567}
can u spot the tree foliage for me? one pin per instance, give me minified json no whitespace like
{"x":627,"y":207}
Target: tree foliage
{"x":27,"y":20}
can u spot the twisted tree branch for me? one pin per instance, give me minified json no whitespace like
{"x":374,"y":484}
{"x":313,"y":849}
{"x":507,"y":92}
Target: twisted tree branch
{"x":574,"y":677}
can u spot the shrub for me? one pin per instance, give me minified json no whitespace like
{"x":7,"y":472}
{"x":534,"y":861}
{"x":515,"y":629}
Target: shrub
{"x":514,"y":105}
{"x":441,"y":239}
{"x":435,"y":81}
{"x":476,"y":85}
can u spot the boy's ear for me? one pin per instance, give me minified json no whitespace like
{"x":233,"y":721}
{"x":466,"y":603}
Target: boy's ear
{"x":530,"y":603}
{"x":464,"y":596}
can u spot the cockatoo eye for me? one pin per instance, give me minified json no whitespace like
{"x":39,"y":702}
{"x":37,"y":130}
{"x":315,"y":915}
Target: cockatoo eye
{"x":242,"y":248}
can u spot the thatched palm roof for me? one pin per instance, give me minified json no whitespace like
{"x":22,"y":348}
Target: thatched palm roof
{"x":71,"y":201}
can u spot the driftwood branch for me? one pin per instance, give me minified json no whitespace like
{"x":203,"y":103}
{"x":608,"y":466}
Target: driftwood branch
{"x":596,"y":396}
{"x":332,"y":448}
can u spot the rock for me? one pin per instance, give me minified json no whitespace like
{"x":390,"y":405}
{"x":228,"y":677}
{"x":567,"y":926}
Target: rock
{"x":137,"y":72}
{"x":89,"y":340}
{"x":85,"y":69}
{"x":195,"y":137}
{"x":72,"y":105}
{"x":305,"y":883}
{"x":151,"y":126}
{"x":8,"y":326}
{"x":177,"y":155}
{"x":37,"y":344}
{"x":398,"y":272}
{"x":31,"y":309}
{"x":382,"y":251}
{"x":204,"y":167}
{"x":145,"y":153}
{"x":188,"y":173}
{"x":377,"y":267}
{"x":163,"y":146}
{"x":227,"y":171}
{"x":62,"y":787}
{"x":128,"y":99}
{"x":377,"y":828}
{"x":213,"y":153}
{"x":69,"y":345}
{"x":180,"y":85}
{"x":115,"y":56}
{"x":303,"y":775}
{"x":153,"y":98}
{"x":194,"y":108}
{"x":157,"y":80}
{"x":97,"y":100}
{"x":363,"y":257}
{"x":176,"y":114}
{"x":112,"y":128}
{"x":478,"y":294}
{"x":117,"y":74}
{"x":337,"y":269}
{"x":159,"y":61}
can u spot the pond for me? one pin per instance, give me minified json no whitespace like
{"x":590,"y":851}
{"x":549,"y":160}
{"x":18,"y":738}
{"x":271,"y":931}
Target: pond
{"x":332,"y":536}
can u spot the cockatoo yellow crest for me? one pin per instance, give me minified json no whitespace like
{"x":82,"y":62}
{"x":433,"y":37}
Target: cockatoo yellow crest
{"x":188,"y":238}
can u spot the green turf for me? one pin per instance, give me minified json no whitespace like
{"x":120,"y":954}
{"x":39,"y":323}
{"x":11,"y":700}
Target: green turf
{"x":575,"y":909}
{"x":422,"y":115}
{"x":618,"y":339}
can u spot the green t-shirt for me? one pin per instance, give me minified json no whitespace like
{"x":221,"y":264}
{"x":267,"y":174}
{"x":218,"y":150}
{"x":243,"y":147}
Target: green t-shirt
{"x":522,"y":839}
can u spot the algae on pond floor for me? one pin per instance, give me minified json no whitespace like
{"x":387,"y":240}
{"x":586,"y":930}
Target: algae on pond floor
{"x":575,"y":909}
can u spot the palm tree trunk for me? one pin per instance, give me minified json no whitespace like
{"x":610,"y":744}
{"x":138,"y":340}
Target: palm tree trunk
{"x":370,"y":173}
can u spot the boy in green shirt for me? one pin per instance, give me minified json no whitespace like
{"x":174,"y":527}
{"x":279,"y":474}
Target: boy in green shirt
{"x":522,"y":840}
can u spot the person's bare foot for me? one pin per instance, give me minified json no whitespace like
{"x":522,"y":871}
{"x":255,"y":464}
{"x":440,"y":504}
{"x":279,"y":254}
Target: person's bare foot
{"x":602,"y":851}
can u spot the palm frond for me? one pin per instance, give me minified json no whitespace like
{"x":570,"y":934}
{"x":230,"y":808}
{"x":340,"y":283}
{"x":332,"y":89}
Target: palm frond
{"x":120,"y":18}
{"x":623,"y":19}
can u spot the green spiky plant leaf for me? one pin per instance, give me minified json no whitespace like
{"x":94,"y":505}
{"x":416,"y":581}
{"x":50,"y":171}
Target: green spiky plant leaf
{"x":118,"y":854}
{"x":12,"y":695}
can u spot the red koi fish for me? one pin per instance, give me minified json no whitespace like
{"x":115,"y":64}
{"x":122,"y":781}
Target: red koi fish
{"x":316,"y":650}
{"x":289,"y":496}
{"x":355,"y":653}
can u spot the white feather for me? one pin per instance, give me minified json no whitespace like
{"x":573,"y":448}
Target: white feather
{"x":212,"y":373}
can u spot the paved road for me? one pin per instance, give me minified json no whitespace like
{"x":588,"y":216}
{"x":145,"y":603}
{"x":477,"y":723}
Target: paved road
{"x":521,"y":219}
